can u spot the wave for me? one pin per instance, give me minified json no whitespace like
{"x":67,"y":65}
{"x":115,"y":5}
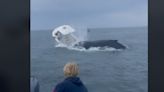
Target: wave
{"x":92,"y":49}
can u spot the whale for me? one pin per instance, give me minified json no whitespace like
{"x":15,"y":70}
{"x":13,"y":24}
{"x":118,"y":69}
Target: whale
{"x":63,"y":35}
{"x":101,"y":43}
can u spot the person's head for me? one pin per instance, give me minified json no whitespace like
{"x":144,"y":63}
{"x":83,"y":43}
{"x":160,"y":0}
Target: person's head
{"x":71,"y":69}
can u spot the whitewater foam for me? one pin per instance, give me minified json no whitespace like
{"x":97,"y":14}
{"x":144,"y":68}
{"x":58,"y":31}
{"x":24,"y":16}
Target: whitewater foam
{"x":92,"y":49}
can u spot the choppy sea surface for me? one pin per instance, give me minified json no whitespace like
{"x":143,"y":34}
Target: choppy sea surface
{"x":100,"y":71}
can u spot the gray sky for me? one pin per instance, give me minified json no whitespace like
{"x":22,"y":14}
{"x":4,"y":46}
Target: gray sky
{"x":48,"y":14}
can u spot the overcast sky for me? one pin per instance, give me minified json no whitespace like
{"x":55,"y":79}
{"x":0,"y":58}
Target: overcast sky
{"x":48,"y":14}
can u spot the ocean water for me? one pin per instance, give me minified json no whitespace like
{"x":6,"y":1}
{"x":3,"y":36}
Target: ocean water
{"x":100,"y":71}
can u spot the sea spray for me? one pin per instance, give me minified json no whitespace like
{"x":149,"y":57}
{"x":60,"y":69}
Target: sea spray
{"x":81,"y":33}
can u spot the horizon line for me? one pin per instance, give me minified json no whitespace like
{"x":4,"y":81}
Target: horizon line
{"x":94,"y":28}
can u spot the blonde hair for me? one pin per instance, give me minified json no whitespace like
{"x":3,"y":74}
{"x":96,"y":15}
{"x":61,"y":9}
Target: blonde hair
{"x":71,"y":69}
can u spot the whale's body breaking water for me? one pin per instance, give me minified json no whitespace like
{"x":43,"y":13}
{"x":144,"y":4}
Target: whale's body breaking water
{"x":102,"y":44}
{"x":64,"y":37}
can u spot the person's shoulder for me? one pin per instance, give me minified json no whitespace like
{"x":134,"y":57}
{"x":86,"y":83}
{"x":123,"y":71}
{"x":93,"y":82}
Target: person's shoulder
{"x":62,"y":84}
{"x":59,"y":87}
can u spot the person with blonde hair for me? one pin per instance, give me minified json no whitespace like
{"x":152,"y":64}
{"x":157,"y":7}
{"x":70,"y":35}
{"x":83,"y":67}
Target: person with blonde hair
{"x":72,"y":82}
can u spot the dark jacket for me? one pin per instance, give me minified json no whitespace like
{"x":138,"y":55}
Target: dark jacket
{"x":71,"y":84}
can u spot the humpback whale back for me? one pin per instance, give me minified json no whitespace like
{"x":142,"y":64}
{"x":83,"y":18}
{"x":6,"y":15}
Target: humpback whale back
{"x":102,"y":43}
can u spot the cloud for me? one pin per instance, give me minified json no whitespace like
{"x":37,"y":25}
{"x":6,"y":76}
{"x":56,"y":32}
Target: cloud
{"x":46,"y":14}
